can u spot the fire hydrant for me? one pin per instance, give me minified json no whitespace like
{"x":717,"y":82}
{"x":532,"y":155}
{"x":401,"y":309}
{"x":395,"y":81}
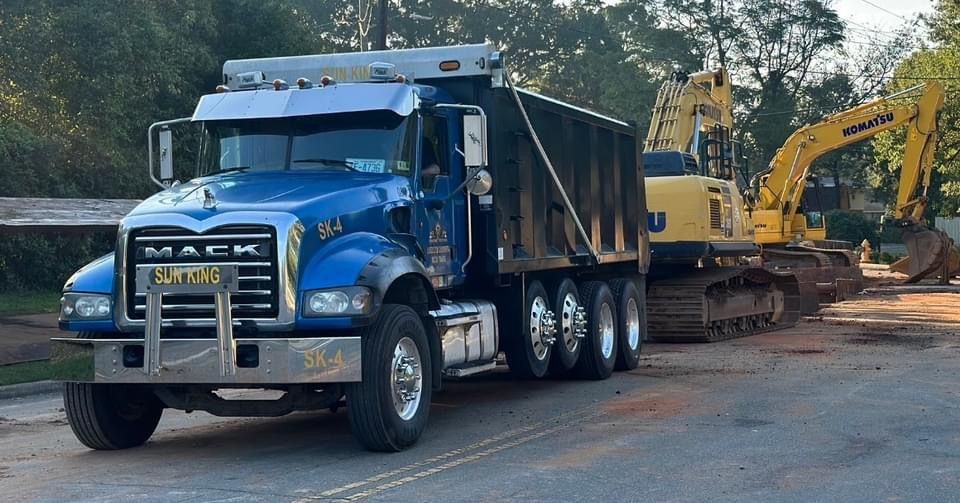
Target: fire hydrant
{"x":866,"y":253}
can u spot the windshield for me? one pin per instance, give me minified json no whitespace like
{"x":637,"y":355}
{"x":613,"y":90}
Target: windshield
{"x":370,"y":142}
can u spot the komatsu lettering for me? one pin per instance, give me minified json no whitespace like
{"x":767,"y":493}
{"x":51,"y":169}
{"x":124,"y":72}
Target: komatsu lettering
{"x":879,"y":120}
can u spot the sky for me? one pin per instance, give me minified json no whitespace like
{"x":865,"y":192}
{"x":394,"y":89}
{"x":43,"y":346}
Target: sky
{"x":875,"y":15}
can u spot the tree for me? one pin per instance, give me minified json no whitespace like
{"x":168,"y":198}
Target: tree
{"x":942,"y":63}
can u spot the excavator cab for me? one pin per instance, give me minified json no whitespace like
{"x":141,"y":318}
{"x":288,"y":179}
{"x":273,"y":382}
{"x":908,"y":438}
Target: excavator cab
{"x":811,"y":208}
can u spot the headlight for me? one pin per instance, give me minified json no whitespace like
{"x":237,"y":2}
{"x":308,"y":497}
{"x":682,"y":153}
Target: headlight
{"x":348,"y":301}
{"x":85,"y":306}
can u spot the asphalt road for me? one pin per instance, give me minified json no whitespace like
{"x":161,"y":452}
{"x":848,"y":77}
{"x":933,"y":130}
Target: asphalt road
{"x":832,"y":410}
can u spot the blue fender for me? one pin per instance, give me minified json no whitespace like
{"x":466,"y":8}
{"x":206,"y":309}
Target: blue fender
{"x":360,"y":258}
{"x":95,"y":277}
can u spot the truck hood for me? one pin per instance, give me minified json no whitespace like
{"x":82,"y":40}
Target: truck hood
{"x":309,"y":195}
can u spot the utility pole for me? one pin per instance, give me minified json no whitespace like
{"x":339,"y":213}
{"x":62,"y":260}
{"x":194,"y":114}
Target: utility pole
{"x":382,"y":27}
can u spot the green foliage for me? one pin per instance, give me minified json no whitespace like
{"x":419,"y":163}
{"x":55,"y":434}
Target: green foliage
{"x":942,"y":61}
{"x":851,"y":226}
{"x":29,"y":302}
{"x":39,"y":262}
{"x":24,"y":372}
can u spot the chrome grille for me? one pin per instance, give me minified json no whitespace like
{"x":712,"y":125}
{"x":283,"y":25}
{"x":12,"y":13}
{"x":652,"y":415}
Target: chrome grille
{"x":173,"y":246}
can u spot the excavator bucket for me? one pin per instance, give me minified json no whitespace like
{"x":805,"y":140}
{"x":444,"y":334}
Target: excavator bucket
{"x":930,"y":252}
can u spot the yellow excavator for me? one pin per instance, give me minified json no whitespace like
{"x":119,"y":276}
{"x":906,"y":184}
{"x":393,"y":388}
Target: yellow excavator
{"x":794,"y":239}
{"x":700,"y":287}
{"x":703,"y":230}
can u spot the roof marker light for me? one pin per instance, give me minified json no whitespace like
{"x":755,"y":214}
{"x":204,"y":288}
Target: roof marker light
{"x":327,"y":80}
{"x":449,"y":66}
{"x":382,"y":71}
{"x":304,"y":83}
{"x":401,"y":78}
{"x":279,"y":84}
{"x":222,"y":89}
{"x":251,"y":79}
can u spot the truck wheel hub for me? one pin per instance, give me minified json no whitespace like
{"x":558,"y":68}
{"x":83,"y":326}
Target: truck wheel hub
{"x":406,"y":376}
{"x":543,"y":327}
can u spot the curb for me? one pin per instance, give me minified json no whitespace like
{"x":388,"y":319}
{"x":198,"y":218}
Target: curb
{"x":29,"y":389}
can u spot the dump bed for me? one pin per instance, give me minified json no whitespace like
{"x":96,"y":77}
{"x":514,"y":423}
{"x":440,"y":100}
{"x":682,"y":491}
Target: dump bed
{"x":597,"y":160}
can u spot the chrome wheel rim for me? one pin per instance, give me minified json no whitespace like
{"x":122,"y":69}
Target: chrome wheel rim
{"x":633,"y":325}
{"x":406,"y":377}
{"x":606,"y":329}
{"x":568,"y":322}
{"x":542,"y":328}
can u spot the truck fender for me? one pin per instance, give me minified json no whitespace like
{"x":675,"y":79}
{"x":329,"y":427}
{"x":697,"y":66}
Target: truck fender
{"x":384,"y":266}
{"x":395,"y":272}
{"x":95,"y":277}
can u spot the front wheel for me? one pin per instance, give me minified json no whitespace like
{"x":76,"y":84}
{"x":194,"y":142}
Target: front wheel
{"x":388,"y":409}
{"x":111,"y":416}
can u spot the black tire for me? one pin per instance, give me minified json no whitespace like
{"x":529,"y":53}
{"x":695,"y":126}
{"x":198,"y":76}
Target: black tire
{"x":596,"y":361}
{"x":632,"y":322}
{"x":374,"y":419}
{"x":109,"y":417}
{"x":566,"y":350}
{"x":526,"y":358}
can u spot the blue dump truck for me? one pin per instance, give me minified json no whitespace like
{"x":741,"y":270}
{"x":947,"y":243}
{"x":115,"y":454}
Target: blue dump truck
{"x":358,"y":228}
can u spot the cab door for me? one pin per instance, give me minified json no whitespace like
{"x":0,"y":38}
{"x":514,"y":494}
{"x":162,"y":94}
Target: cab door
{"x":441,"y":216}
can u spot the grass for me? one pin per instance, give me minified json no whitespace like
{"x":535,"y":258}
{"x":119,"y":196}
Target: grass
{"x":24,"y":372}
{"x":29,"y":302}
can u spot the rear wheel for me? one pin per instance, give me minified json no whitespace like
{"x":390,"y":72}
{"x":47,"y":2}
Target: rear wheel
{"x":388,"y":409}
{"x":632,"y":323}
{"x":571,"y":325}
{"x":528,"y":353}
{"x":599,"y":353}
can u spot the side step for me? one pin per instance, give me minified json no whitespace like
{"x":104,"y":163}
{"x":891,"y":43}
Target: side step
{"x":469,"y":369}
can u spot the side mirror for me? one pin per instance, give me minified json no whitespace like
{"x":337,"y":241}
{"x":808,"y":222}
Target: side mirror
{"x":164,"y":153}
{"x":474,"y":141}
{"x":166,"y":156}
{"x":480,"y":183}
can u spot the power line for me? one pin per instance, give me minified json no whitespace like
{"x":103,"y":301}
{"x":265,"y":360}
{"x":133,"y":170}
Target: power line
{"x":869,"y":30}
{"x":925,"y":77}
{"x":882,"y":45}
{"x":868,"y":2}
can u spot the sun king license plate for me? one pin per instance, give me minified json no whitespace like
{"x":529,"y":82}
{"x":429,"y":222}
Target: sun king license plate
{"x":186,"y":279}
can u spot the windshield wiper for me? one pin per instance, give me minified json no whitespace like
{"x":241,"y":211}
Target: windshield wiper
{"x":229,"y":170}
{"x":330,"y":162}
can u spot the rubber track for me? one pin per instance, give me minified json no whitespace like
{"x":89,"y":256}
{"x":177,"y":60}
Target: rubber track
{"x":676,"y":307}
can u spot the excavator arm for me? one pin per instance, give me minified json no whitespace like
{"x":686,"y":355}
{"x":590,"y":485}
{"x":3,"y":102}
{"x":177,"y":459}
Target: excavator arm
{"x":688,"y":105}
{"x":780,"y":188}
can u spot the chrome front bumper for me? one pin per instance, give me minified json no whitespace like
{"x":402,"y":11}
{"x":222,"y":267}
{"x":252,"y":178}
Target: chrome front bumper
{"x":197,"y":361}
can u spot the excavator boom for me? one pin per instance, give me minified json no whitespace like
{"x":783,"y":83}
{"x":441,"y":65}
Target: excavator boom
{"x":780,"y":188}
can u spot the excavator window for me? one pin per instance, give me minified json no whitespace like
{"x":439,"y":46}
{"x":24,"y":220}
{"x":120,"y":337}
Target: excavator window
{"x":811,"y":205}
{"x":669,"y":163}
